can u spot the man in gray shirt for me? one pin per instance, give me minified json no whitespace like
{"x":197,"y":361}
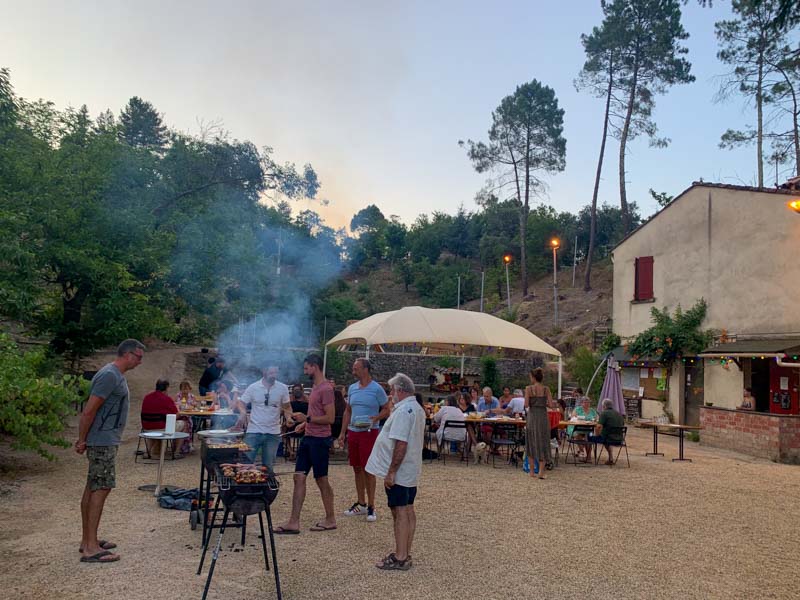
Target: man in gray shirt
{"x":99,"y":434}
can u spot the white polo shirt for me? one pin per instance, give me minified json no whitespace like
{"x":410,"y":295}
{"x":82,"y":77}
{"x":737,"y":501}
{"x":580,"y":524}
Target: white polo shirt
{"x":265,"y":415}
{"x":405,"y":424}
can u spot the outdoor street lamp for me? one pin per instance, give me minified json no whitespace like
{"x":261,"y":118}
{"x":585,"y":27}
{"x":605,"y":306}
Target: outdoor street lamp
{"x":555,"y":244}
{"x":795,"y":206}
{"x":507,"y":261}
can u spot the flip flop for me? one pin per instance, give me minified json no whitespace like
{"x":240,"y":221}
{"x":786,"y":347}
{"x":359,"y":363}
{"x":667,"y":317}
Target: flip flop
{"x":104,"y":544}
{"x":321,"y":527}
{"x":282,"y":531}
{"x":98,"y":558}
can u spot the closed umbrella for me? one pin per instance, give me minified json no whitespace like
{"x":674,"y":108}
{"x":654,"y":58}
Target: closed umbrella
{"x":612,"y":387}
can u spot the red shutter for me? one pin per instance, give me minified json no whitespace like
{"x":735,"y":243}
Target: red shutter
{"x":644,"y":278}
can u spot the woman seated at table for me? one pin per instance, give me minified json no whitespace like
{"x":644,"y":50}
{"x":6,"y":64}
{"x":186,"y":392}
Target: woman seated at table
{"x":465,"y":406}
{"x":584,"y":412}
{"x":451,"y":412}
{"x":185,"y":398}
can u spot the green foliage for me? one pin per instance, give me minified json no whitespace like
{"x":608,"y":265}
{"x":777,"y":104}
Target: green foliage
{"x":611,"y":341}
{"x":673,"y":336}
{"x":490,"y":376}
{"x":661,"y":198}
{"x":447,"y":362}
{"x":33,"y":405}
{"x":337,"y":310}
{"x":582,"y":365}
{"x":337,"y":367}
{"x":510,"y":315}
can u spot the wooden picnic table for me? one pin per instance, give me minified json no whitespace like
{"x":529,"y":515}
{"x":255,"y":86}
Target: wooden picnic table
{"x":675,"y":427}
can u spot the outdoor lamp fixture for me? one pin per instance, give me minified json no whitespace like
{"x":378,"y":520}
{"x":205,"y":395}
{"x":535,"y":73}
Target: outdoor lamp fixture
{"x":555,"y":244}
{"x":795,"y":206}
{"x":507,"y":261}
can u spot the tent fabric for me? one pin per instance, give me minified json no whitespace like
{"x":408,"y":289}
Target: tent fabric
{"x":612,"y":388}
{"x":415,"y":324}
{"x":773,"y":346}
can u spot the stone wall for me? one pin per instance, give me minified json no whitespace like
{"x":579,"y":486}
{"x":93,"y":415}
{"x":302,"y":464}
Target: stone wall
{"x":418,"y":366}
{"x":775,"y":437}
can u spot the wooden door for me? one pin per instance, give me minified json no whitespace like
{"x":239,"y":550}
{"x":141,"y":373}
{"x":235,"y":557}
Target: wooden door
{"x":692,"y":391}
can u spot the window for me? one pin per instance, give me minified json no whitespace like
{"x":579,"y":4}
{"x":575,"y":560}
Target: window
{"x":643,"y":288}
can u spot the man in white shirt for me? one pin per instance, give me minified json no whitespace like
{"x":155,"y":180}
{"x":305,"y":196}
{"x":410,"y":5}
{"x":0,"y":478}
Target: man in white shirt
{"x":517,"y":404}
{"x":450,"y":413}
{"x":266,"y":399}
{"x":397,"y":457}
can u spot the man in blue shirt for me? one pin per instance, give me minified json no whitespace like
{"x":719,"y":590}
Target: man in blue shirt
{"x":367,"y":405}
{"x":491,"y":406}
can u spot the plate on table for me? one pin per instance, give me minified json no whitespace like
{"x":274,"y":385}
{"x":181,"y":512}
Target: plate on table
{"x":153,"y":434}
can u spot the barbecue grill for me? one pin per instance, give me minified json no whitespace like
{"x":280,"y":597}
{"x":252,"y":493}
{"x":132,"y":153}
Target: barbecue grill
{"x":241,"y":500}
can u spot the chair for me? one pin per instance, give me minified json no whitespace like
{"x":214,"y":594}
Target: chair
{"x":464,"y":443}
{"x":623,"y":431}
{"x":145,"y":454}
{"x":573,"y":443}
{"x":510,"y":441}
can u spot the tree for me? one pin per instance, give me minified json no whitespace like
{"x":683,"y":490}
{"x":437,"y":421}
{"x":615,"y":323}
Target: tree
{"x":141,"y":125}
{"x":525,"y":140}
{"x":661,"y":198}
{"x":598,"y":76}
{"x":647,"y":34}
{"x":369,"y":225}
{"x":754,"y":48}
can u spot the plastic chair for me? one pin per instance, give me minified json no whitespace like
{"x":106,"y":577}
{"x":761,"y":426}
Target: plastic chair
{"x":623,"y":431}
{"x":464,"y":443}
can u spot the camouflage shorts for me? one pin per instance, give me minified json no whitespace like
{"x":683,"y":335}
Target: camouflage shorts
{"x":102,"y":471}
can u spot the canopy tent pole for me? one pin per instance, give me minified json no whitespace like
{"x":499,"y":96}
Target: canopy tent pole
{"x":560,"y":370}
{"x":462,"y":365}
{"x":367,"y":356}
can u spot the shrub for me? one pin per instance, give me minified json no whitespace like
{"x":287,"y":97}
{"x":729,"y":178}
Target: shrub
{"x":33,"y":405}
{"x":491,"y":376}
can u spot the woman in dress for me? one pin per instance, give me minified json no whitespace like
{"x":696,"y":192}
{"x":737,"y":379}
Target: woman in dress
{"x":537,"y":430}
{"x":185,"y":401}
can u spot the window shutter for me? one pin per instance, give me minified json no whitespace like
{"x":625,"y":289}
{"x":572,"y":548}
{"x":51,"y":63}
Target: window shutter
{"x":644,"y":278}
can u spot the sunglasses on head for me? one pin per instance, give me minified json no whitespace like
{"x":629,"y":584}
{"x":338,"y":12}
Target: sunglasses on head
{"x":266,"y":399}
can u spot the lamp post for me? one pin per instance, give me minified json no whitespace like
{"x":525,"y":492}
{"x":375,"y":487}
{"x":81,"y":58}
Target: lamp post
{"x":555,"y":244}
{"x":507,"y":261}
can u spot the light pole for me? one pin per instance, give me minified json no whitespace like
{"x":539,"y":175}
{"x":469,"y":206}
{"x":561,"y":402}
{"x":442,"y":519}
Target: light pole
{"x":507,"y":261}
{"x":458,"y":301}
{"x":555,"y":244}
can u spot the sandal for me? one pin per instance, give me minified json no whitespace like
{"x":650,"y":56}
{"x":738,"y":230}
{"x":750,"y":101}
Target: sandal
{"x":100,"y":557}
{"x":104,"y":544}
{"x":390,"y":563}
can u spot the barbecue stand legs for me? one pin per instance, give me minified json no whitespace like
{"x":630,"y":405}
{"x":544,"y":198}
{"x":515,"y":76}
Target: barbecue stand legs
{"x":263,"y":540}
{"x":214,"y":554}
{"x":274,"y":556}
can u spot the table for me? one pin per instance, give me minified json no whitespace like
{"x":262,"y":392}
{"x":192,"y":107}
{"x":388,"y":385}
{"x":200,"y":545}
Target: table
{"x":674,"y":426}
{"x":197,"y":416}
{"x":148,"y":435}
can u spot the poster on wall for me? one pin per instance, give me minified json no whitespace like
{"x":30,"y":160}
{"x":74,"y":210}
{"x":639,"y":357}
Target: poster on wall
{"x":630,"y":379}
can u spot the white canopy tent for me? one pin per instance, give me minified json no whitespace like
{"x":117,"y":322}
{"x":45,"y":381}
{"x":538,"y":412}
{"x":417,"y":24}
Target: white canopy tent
{"x":438,"y":326}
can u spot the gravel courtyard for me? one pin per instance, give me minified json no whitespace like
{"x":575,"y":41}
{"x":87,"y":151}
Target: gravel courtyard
{"x":724,"y":526}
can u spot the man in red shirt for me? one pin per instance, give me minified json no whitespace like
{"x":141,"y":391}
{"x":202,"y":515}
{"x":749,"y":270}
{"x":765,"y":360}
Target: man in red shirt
{"x":158,"y":403}
{"x":312,"y":453}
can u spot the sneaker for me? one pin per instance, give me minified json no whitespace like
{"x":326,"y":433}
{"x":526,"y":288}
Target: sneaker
{"x":357,"y":510}
{"x":371,"y":516}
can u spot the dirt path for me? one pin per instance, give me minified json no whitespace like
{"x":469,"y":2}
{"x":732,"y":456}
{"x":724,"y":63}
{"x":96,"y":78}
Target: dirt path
{"x":724,"y":526}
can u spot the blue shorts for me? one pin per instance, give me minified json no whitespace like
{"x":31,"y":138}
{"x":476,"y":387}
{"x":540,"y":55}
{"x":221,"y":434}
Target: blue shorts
{"x":399,"y":495}
{"x":312,"y":453}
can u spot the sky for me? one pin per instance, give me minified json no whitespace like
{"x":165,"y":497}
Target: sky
{"x":374,"y":94}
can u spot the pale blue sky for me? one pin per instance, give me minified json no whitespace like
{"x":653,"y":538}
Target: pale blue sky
{"x":374,"y":94}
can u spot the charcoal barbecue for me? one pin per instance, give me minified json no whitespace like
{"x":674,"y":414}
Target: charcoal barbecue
{"x":242,"y":500}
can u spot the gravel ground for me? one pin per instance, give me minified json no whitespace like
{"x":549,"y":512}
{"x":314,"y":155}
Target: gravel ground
{"x":725,"y":526}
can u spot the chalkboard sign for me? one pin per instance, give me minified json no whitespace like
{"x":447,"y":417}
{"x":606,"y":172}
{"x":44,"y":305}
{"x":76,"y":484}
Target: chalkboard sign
{"x":633,"y":408}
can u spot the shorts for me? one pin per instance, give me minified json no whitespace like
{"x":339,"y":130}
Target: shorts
{"x":312,"y":453}
{"x":102,"y":468}
{"x":399,"y":495}
{"x":359,"y":446}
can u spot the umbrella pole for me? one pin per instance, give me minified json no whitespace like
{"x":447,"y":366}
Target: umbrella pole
{"x":560,"y":370}
{"x":596,"y":371}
